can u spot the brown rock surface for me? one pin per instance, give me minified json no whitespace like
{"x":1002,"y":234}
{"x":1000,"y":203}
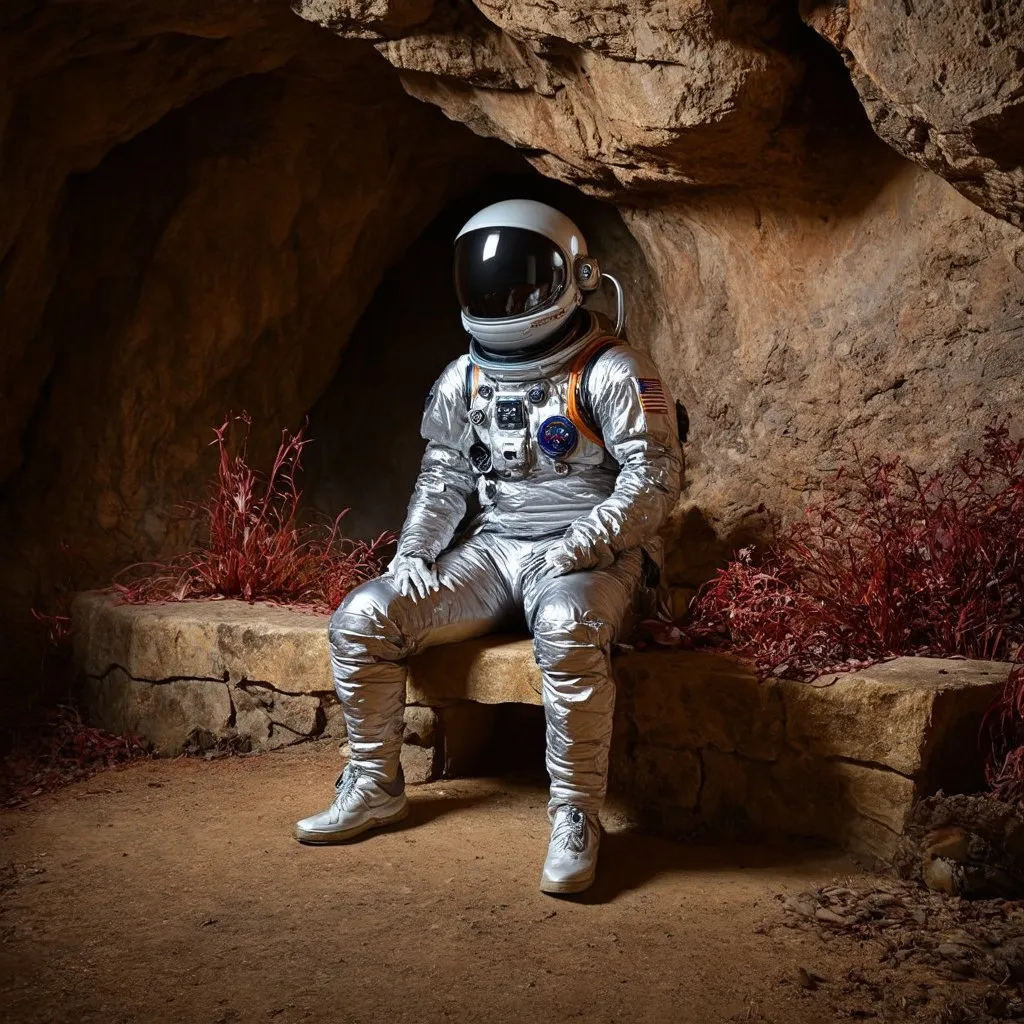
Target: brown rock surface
{"x":365,"y":19}
{"x":793,"y":330}
{"x":942,"y":82}
{"x":609,"y":96}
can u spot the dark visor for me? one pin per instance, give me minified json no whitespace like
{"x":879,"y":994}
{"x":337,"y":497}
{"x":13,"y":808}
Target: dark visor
{"x":505,"y":272}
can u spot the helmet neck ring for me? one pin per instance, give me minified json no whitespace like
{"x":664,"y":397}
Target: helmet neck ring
{"x":575,"y":325}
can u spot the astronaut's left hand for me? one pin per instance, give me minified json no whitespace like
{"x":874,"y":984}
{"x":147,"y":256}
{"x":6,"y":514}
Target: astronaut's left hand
{"x":414,"y":575}
{"x":564,"y":557}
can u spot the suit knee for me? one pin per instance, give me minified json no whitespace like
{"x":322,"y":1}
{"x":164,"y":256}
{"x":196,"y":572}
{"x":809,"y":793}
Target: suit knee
{"x":365,"y":615}
{"x":570,"y":643}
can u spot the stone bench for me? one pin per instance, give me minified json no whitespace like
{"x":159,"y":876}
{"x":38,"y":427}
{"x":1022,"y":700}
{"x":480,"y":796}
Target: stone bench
{"x":698,"y":742}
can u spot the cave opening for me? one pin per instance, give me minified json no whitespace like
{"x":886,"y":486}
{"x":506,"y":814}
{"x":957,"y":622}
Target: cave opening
{"x":237,"y":252}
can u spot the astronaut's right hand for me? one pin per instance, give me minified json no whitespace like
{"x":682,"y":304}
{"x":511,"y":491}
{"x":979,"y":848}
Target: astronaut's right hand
{"x":413,"y":575}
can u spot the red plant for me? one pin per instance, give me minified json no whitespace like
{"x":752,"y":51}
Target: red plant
{"x":256,"y":547}
{"x":890,"y":562}
{"x":58,"y":627}
{"x":1002,"y":740}
{"x":62,"y":750}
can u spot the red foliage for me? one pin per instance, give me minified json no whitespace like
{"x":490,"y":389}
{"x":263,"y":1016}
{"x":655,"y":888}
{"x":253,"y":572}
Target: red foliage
{"x":256,"y":547}
{"x":890,"y":562}
{"x":64,"y":750}
{"x":1002,"y":740}
{"x":58,"y":627}
{"x":70,"y":567}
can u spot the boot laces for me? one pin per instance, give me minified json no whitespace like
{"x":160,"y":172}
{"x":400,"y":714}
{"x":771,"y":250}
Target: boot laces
{"x":570,"y":831}
{"x":345,"y":784}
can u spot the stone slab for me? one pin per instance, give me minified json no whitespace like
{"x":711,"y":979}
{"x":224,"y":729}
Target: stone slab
{"x":490,"y":670}
{"x":229,"y":641}
{"x":697,"y":740}
{"x":891,"y":714}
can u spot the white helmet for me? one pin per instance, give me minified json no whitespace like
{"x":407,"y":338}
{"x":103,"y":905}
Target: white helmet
{"x":520,"y":270}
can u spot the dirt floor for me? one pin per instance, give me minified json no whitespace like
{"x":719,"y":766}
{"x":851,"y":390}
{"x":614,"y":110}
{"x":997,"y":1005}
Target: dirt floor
{"x":173,"y":891}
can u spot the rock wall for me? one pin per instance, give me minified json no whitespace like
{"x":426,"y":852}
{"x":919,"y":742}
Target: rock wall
{"x":200,"y":201}
{"x":812,"y":290}
{"x":942,"y":82}
{"x":198,"y":204}
{"x":792,"y":331}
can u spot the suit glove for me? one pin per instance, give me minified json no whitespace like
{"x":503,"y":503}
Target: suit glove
{"x":564,"y":557}
{"x":413,"y":574}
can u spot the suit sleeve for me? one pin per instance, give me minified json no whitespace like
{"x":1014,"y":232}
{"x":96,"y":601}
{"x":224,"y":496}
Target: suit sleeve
{"x":636,"y":416}
{"x":446,"y":478}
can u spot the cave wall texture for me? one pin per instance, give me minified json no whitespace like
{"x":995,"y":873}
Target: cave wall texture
{"x":827,"y":198}
{"x":824,"y":205}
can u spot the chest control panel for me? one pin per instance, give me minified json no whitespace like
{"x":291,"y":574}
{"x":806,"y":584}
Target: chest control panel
{"x":510,"y":414}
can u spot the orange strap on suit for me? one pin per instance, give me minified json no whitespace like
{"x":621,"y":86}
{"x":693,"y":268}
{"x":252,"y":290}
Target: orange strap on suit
{"x":577,"y":407}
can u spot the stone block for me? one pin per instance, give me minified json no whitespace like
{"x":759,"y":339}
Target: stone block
{"x":269,"y":719}
{"x":422,"y":745}
{"x":725,"y":789}
{"x":696,"y":740}
{"x":228,"y":641}
{"x":420,"y":764}
{"x":663,"y":777}
{"x":898,"y":714}
{"x":658,"y":788}
{"x":166,"y":714}
{"x":335,"y":727}
{"x":861,"y":807}
{"x":693,"y":700}
{"x":420,"y":726}
{"x":488,"y":670}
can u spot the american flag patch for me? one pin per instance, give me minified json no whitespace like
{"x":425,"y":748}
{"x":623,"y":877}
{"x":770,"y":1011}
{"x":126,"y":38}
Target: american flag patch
{"x":652,"y":395}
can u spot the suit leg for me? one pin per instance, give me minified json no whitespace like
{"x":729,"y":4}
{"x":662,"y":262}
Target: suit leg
{"x":575,"y":619}
{"x":376,"y":628}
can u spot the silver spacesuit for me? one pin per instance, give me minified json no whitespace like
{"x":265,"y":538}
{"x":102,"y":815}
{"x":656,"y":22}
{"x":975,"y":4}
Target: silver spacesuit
{"x":568,"y":438}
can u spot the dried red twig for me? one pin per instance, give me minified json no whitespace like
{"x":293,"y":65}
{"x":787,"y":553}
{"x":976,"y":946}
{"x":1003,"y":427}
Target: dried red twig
{"x":62,"y":750}
{"x":256,"y":548}
{"x":1002,"y":740}
{"x":891,"y":562}
{"x":58,"y":627}
{"x":55,"y":615}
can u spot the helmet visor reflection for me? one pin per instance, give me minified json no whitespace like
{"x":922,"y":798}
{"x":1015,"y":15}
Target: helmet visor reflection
{"x":506,"y":272}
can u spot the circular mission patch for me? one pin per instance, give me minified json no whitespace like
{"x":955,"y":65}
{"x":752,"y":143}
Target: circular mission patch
{"x":557,"y":437}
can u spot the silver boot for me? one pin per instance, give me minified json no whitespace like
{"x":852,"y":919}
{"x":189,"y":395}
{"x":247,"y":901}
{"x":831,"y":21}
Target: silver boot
{"x":360,"y":804}
{"x":572,"y":853}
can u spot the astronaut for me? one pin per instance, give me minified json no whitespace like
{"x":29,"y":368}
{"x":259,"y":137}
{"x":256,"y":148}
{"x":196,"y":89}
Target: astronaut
{"x":568,"y":438}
